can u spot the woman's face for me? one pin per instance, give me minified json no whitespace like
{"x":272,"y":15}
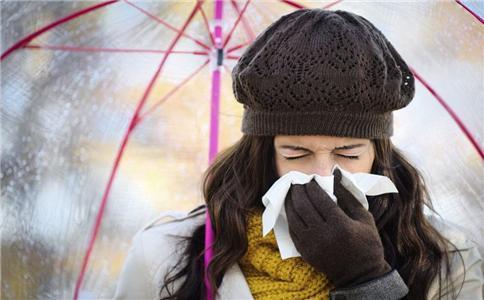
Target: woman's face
{"x":319,"y":153}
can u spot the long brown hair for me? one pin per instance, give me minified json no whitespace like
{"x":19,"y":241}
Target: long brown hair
{"x":241,"y":174}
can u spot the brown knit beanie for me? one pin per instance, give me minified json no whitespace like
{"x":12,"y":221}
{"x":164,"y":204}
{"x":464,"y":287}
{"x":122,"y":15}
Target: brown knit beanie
{"x":315,"y":71}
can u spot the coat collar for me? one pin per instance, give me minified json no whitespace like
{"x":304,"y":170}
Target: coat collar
{"x":234,"y":286}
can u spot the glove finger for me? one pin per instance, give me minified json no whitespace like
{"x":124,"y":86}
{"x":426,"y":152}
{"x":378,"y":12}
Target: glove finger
{"x":322,"y":202}
{"x":304,"y":207}
{"x":294,"y":220}
{"x":348,"y":203}
{"x":296,"y":233}
{"x":298,"y":230}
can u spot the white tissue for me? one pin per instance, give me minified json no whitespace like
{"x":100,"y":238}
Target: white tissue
{"x":274,"y":216}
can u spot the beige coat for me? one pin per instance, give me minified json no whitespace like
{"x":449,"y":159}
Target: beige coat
{"x":153,"y":252}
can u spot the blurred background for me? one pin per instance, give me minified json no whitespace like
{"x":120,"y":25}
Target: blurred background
{"x":69,"y":93}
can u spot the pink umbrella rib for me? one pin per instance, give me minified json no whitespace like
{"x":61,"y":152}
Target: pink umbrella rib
{"x":133,"y":123}
{"x":118,"y":50}
{"x":44,"y":29}
{"x":470,"y":11}
{"x":207,"y":26}
{"x":237,"y":21}
{"x":176,"y":88}
{"x":248,"y":30}
{"x":234,"y":48}
{"x":331,"y":4}
{"x":451,"y":112}
{"x":150,"y":15}
{"x":301,"y":6}
{"x":237,"y":47}
{"x":293,"y":4}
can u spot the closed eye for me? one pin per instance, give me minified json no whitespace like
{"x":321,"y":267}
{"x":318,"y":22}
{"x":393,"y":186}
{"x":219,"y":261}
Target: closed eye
{"x":345,"y":156}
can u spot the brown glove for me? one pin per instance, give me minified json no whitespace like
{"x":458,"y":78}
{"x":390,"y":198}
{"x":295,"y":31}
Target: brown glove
{"x":340,"y":240}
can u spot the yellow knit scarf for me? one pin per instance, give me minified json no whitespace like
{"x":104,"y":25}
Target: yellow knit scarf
{"x":270,"y":277}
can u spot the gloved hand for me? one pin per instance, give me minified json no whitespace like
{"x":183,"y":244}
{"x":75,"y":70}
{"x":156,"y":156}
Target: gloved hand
{"x":340,"y":240}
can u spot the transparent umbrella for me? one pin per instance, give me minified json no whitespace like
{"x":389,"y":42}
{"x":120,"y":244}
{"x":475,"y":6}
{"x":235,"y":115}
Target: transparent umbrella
{"x":112,"y":110}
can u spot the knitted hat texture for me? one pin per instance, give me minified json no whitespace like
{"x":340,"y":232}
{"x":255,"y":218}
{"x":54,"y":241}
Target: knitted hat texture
{"x":316,"y":71}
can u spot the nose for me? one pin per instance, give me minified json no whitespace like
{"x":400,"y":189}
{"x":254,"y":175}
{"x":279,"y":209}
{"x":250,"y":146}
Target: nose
{"x":323,"y":166}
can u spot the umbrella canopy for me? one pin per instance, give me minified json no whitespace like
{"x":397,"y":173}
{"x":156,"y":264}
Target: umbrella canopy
{"x":112,"y":110}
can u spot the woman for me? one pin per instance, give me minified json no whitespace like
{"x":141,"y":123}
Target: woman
{"x":318,"y":89}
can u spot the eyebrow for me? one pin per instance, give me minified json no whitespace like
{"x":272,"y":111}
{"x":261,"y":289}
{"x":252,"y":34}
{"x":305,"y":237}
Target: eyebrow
{"x":345,"y":147}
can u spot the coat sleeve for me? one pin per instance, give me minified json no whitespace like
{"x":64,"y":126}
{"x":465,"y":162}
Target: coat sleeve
{"x":155,"y":249}
{"x":135,"y":280}
{"x":466,"y":265}
{"x":466,"y":275}
{"x":389,"y":286}
{"x":472,"y":279}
